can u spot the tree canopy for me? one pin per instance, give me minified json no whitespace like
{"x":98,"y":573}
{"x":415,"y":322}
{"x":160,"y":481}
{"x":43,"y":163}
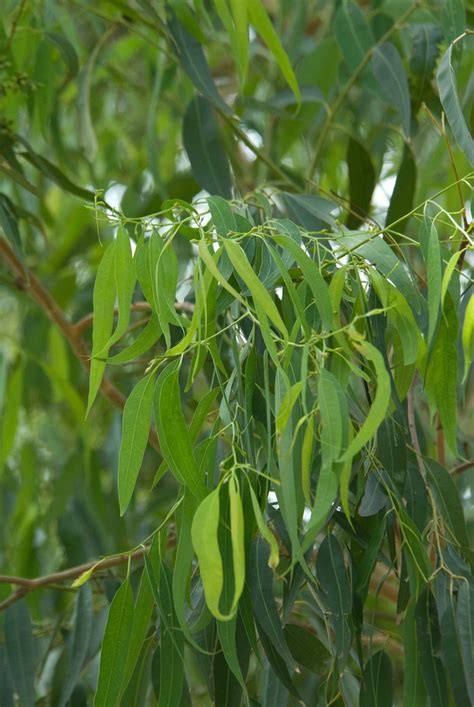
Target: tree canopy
{"x":236,"y":391}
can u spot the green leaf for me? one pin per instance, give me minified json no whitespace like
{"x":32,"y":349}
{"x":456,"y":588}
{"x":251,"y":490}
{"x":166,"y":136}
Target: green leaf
{"x":313,"y":278}
{"x":362,"y":182}
{"x":468,"y":336}
{"x":449,"y":505}
{"x":173,"y":433}
{"x":6,"y":684}
{"x":376,"y":689}
{"x":434,"y":281}
{"x":309,"y":211}
{"x":263,"y":601}
{"x":451,"y":650}
{"x":425,"y":51}
{"x":191,"y":57}
{"x":67,"y":51}
{"x":442,"y":372}
{"x":9,"y":225}
{"x":21,"y":652}
{"x":204,"y":531}
{"x":376,"y":251}
{"x":115,"y":644}
{"x":125,"y":278}
{"x":10,"y":413}
{"x":353,"y":33}
{"x":79,"y":642}
{"x":307,"y":649}
{"x":274,"y":556}
{"x":259,"y":293}
{"x":141,"y":620}
{"x":336,"y":590}
{"x":237,"y":535}
{"x":202,"y":143}
{"x":171,"y":646}
{"x":446,"y":81}
{"x":380,"y":402}
{"x":428,"y":638}
{"x":261,"y":22}
{"x":103,"y":309}
{"x":465,"y":625}
{"x":143,"y":343}
{"x":135,"y":430}
{"x":414,"y":692}
{"x":240,"y":14}
{"x":403,"y":195}
{"x":453,"y":19}
{"x":389,"y":71}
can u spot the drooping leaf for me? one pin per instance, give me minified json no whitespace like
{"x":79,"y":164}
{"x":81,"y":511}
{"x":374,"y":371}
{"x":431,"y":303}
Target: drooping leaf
{"x":428,"y":638}
{"x":143,"y":343}
{"x":141,"y":619}
{"x":453,"y":19}
{"x":380,"y":402}
{"x":114,"y":651}
{"x":390,"y":73}
{"x":434,"y":281}
{"x":261,"y":22}
{"x":79,"y":641}
{"x":403,"y":195}
{"x":468,"y":336}
{"x":263,"y":601}
{"x":307,"y":649}
{"x":336,"y":590}
{"x":9,"y":225}
{"x":191,"y":57}
{"x":135,"y":429}
{"x":465,"y":625}
{"x":171,"y":646}
{"x":204,"y":148}
{"x":425,"y":51}
{"x":265,"y":531}
{"x":20,"y":650}
{"x":353,"y":33}
{"x":361,"y":182}
{"x":173,"y":433}
{"x":446,"y":81}
{"x":414,"y":691}
{"x":377,"y":682}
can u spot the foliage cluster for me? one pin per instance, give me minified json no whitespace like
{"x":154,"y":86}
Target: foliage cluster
{"x":249,"y":222}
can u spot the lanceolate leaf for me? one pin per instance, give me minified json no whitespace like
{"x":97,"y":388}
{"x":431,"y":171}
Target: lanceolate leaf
{"x":390,"y":73}
{"x":173,"y":433}
{"x":353,"y":33}
{"x":428,"y":638}
{"x":115,"y":647}
{"x":264,"y":27}
{"x":203,"y":145}
{"x":103,"y":303}
{"x":403,"y":196}
{"x":171,"y":646}
{"x":263,"y":602}
{"x":446,"y":80}
{"x":193,"y":61}
{"x":335,"y":584}
{"x":434,"y":281}
{"x":361,"y":182}
{"x":377,"y":682}
{"x":380,"y":402}
{"x":21,"y":652}
{"x":453,"y":19}
{"x":465,"y":624}
{"x":468,"y":336}
{"x":135,"y":430}
{"x":79,"y":643}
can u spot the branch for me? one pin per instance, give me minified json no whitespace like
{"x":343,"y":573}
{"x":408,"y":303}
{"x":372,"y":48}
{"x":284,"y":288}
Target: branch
{"x":27,"y":282}
{"x":30,"y":585}
{"x":83,"y":324}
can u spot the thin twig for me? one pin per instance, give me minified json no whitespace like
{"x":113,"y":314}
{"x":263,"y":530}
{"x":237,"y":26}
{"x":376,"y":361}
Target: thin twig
{"x":29,"y":283}
{"x":461,"y":468}
{"x":30,"y":585}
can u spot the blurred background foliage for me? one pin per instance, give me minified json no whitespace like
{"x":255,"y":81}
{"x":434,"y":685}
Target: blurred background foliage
{"x":98,"y":103}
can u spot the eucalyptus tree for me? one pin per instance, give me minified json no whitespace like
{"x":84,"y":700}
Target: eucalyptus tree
{"x":235,"y":358}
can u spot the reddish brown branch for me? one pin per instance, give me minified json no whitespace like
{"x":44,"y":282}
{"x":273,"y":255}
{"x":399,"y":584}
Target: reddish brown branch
{"x":30,"y":585}
{"x":29,"y":283}
{"x":83,"y":324}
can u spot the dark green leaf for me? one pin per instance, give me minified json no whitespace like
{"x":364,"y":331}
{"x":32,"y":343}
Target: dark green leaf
{"x":465,"y":625}
{"x":403,"y":195}
{"x":376,"y":689}
{"x":79,"y":643}
{"x":307,"y":649}
{"x":361,"y":182}
{"x":390,"y":73}
{"x":428,"y":642}
{"x":21,"y":652}
{"x":202,"y":143}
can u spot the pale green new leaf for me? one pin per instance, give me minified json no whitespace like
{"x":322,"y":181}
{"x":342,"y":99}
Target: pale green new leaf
{"x":135,"y":430}
{"x":380,"y":402}
{"x":265,"y":531}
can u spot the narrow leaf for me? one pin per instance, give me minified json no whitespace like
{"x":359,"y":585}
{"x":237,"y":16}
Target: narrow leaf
{"x":390,"y":73}
{"x":135,"y":430}
{"x":21,"y":652}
